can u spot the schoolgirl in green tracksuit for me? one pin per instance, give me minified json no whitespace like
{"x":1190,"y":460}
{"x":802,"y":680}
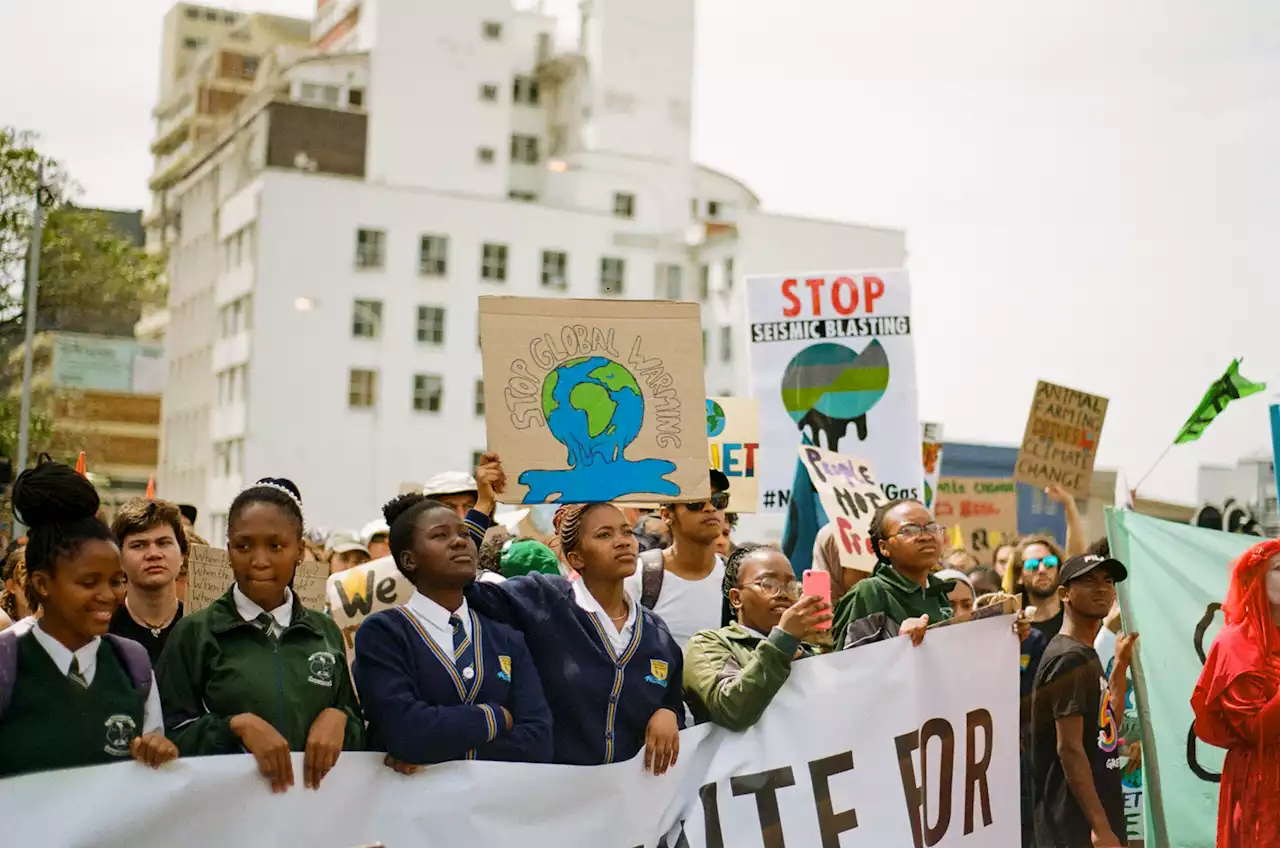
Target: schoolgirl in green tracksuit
{"x":256,"y":671}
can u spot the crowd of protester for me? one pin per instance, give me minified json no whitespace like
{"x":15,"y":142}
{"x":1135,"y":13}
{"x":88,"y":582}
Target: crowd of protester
{"x":597,"y":645}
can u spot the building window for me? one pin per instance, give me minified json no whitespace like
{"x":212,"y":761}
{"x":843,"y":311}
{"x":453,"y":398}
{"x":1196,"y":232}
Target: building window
{"x":228,"y":18}
{"x":704,"y":345}
{"x":713,"y":209}
{"x":704,"y":282}
{"x":526,"y":91}
{"x":193,"y":14}
{"x":485,"y":155}
{"x":433,"y":256}
{"x":669,"y":283}
{"x":362,"y":389}
{"x":431,"y":324}
{"x":191,"y":43}
{"x":726,"y":343}
{"x":330,"y":94}
{"x":355,"y":97}
{"x":728,"y":274}
{"x":371,"y":248}
{"x":476,"y":456}
{"x":555,"y":270}
{"x":428,"y":393}
{"x":613,"y":272}
{"x":524,"y":149}
{"x":522,"y":196}
{"x":493,"y":262}
{"x":492,"y":31}
{"x":366,"y":319}
{"x":624,"y":205}
{"x":249,"y":67}
{"x":211,"y":15}
{"x":489,"y":92}
{"x":479,"y":398}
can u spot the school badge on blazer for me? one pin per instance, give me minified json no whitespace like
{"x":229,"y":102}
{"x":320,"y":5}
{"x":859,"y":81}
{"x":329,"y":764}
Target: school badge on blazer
{"x":657,"y":673}
{"x":321,"y":665}
{"x":120,"y":732}
{"x":504,"y":665}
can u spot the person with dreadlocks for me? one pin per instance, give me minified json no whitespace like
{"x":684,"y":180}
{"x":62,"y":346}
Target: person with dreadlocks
{"x":609,"y":667}
{"x":438,"y":681}
{"x":1237,"y":701}
{"x":255,"y":670}
{"x":902,"y":595}
{"x":731,"y":675}
{"x":72,"y":694}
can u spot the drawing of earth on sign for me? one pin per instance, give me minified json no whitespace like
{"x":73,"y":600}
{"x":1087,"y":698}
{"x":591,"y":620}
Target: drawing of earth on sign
{"x":828,"y":386}
{"x":715,"y":419}
{"x":594,"y":407}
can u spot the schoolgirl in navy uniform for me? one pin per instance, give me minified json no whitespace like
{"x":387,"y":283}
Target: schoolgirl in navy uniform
{"x":437,"y":681}
{"x":610,"y":670}
{"x":255,"y":670}
{"x":68,"y":696}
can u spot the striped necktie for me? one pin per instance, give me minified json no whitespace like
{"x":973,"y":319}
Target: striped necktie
{"x":464,"y":650}
{"x":265,"y":623}
{"x":74,"y":673}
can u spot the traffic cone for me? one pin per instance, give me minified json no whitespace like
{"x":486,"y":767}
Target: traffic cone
{"x":151,"y":487}
{"x":80,"y":464}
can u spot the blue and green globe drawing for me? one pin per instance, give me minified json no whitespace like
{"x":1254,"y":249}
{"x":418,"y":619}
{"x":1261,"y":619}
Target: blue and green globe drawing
{"x":595,"y":408}
{"x":828,"y":386}
{"x":715,"y":419}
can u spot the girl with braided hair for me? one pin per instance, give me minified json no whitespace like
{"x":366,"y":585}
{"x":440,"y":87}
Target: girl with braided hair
{"x":609,"y":668}
{"x":1237,"y":701}
{"x":71,"y":694}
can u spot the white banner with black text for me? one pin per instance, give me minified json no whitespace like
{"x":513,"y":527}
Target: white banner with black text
{"x":885,"y":745}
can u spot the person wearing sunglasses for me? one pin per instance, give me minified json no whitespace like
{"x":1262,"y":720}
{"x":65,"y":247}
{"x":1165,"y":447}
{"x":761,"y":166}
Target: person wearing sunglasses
{"x":901,"y":595}
{"x":732,"y":674}
{"x":1037,"y":560}
{"x":682,"y":584}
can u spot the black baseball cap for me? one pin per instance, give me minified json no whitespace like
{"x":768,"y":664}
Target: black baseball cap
{"x":1079,"y":566}
{"x":189,"y":512}
{"x":719,"y":482}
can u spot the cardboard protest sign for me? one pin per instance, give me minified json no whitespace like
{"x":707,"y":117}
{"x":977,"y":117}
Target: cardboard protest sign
{"x":1061,"y":441}
{"x":850,"y":495}
{"x":733,"y":434}
{"x":357,"y":593}
{"x":209,"y":576}
{"x":595,"y":400}
{"x":833,"y":365}
{"x":931,"y":441}
{"x":979,"y":513}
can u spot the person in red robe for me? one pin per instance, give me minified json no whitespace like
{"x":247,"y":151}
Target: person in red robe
{"x":1237,"y":701}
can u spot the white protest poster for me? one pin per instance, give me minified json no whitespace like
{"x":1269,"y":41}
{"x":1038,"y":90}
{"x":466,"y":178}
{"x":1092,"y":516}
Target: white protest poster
{"x":914,"y":747}
{"x":833,"y":365}
{"x":209,"y":576}
{"x":357,"y":593}
{"x":733,"y":433}
{"x":595,"y":400}
{"x":850,"y":496}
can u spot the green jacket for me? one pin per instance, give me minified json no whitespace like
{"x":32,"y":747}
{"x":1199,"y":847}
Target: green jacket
{"x":216,"y":665}
{"x":731,"y":674}
{"x":889,"y":592}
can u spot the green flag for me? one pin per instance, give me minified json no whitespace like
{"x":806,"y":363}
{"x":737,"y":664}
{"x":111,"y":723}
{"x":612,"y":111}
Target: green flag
{"x":1221,"y":393}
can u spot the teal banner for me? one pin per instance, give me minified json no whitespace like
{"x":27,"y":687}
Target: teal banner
{"x":1178,"y":577}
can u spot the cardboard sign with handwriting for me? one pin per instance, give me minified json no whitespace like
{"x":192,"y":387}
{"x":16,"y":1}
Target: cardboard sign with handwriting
{"x":850,"y":495}
{"x":357,"y":593}
{"x":1061,"y":441}
{"x":595,"y":400}
{"x":979,"y":513}
{"x":209,"y":576}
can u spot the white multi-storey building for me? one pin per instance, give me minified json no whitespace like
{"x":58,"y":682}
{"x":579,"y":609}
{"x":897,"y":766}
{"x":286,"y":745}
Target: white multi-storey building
{"x":324,"y":279}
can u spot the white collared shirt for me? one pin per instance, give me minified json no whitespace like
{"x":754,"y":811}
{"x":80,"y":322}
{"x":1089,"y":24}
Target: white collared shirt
{"x":618,"y":639}
{"x":435,"y":620}
{"x":87,"y":658}
{"x":281,"y":616}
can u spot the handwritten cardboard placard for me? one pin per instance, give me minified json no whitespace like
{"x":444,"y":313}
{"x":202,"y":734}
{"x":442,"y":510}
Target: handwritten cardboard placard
{"x":595,"y":400}
{"x":1061,"y":441}
{"x":979,"y":513}
{"x":850,"y":495}
{"x":210,"y":576}
{"x":733,"y":435}
{"x":357,"y":593}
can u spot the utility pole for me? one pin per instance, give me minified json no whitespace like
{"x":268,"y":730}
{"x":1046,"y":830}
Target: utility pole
{"x":29,"y":325}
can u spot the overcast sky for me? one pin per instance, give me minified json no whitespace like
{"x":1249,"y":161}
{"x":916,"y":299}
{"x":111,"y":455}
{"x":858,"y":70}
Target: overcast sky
{"x":1091,"y":191}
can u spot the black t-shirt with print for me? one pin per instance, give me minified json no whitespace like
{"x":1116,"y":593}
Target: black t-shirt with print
{"x":122,"y":624}
{"x":1049,"y":627}
{"x":1070,"y":681}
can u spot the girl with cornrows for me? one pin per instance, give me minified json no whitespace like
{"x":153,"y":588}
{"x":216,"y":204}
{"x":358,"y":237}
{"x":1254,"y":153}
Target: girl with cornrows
{"x":256,"y":671}
{"x":611,"y":672}
{"x":71,"y":694}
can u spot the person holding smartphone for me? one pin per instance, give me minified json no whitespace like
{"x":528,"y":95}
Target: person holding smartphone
{"x":731,"y":675}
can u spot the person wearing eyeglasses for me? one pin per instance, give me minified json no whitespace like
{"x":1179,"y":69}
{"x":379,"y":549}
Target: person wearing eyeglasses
{"x":1036,"y":561}
{"x":732,"y":674}
{"x":902,"y":595}
{"x":682,"y":584}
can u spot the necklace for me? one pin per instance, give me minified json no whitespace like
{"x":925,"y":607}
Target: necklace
{"x":155,"y":630}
